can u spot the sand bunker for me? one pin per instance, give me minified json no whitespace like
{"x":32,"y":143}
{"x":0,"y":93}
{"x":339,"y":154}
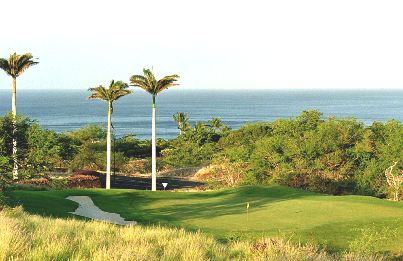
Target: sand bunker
{"x":88,"y":209}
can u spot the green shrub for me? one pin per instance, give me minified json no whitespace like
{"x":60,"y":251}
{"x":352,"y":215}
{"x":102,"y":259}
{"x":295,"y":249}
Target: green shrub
{"x":83,"y":181}
{"x":58,"y":183}
{"x":367,"y":240}
{"x":29,"y":187}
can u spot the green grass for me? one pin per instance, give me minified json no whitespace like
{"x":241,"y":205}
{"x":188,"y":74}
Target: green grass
{"x":332,"y":221}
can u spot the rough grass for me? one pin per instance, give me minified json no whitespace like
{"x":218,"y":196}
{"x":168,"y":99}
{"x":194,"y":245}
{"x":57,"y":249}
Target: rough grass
{"x":31,"y":237}
{"x":338,"y":223}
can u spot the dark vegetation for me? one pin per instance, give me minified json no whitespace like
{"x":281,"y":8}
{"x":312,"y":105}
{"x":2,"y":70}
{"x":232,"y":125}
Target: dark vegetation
{"x":336,"y":156}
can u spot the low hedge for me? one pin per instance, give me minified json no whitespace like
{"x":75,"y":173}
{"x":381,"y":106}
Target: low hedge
{"x":83,"y":181}
{"x":75,"y":181}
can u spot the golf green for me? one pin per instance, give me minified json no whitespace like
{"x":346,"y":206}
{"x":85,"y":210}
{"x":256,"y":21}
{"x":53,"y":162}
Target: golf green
{"x":332,"y":221}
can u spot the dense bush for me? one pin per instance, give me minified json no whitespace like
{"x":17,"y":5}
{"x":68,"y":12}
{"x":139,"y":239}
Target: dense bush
{"x":223,"y":173}
{"x":82,"y":179}
{"x":334,"y":155}
{"x":38,"y":149}
{"x":195,"y":147}
{"x":327,"y":155}
{"x":37,"y":182}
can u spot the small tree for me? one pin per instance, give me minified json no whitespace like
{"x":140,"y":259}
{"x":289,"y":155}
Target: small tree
{"x":182,"y":120}
{"x":216,"y":124}
{"x":394,"y":181}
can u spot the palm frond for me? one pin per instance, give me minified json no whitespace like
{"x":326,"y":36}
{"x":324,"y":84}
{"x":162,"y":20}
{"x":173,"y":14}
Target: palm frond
{"x":166,"y":82}
{"x":149,"y":83}
{"x":141,"y":82}
{"x":17,"y":64}
{"x":4,"y":65}
{"x":99,"y":93}
{"x":115,"y":91}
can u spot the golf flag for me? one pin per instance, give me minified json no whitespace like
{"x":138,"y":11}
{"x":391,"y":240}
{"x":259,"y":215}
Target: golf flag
{"x":247,"y":205}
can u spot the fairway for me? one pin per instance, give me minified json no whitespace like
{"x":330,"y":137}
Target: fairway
{"x":332,"y":221}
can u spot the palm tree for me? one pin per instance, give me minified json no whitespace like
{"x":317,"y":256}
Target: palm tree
{"x":216,"y":123}
{"x":182,"y":120}
{"x":15,"y":66}
{"x":115,"y":91}
{"x":148,"y":83}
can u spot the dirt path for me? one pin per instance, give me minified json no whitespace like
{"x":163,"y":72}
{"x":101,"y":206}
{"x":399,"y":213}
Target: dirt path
{"x":88,"y":209}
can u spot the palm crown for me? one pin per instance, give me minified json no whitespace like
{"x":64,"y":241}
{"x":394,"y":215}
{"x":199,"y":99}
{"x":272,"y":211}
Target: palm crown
{"x":17,"y":64}
{"x":183,"y":121}
{"x":148,"y":82}
{"x":115,"y":91}
{"x":180,"y":117}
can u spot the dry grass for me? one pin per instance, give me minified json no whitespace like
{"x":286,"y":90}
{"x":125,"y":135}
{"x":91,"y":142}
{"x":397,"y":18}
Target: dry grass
{"x":30,"y":237}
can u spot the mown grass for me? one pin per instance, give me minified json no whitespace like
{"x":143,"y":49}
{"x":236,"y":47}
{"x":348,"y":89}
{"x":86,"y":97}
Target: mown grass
{"x":32,"y":237}
{"x":334,"y":222}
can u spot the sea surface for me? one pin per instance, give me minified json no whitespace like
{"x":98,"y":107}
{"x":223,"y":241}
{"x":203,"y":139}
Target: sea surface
{"x":67,"y":110}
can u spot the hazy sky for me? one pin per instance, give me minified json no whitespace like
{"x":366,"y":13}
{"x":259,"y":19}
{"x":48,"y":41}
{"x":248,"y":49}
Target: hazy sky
{"x":210,"y":44}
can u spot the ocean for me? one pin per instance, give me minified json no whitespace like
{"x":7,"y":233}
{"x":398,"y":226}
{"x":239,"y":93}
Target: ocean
{"x":67,"y":110}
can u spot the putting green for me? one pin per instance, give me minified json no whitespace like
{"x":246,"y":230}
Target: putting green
{"x":333,"y":221}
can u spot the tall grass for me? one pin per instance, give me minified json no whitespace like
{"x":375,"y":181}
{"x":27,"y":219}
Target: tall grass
{"x":31,"y":237}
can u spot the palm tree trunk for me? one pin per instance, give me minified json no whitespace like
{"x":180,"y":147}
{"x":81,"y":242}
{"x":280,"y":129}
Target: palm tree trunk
{"x":14,"y":111}
{"x":14,"y":97}
{"x":108,"y":148}
{"x":154,"y":150}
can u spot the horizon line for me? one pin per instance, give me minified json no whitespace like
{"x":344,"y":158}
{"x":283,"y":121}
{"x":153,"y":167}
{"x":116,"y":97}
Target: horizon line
{"x":237,"y":89}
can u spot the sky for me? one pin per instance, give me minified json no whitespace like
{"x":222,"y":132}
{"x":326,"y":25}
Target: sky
{"x":211,"y":44}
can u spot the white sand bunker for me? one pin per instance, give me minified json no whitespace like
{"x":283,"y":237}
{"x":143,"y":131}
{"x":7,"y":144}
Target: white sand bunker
{"x":88,"y":209}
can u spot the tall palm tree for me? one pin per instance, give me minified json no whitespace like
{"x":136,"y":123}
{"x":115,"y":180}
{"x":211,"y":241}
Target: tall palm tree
{"x":15,"y":66}
{"x":148,"y":83}
{"x":115,"y":91}
{"x":182,"y":120}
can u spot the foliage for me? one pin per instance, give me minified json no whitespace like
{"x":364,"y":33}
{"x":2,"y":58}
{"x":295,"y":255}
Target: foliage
{"x":37,"y":182}
{"x":75,"y":181}
{"x":38,"y":149}
{"x":27,"y":187}
{"x":25,"y":236}
{"x":194,"y":147}
{"x":334,"y":155}
{"x":115,"y":91}
{"x":382,"y":144}
{"x":224,"y":172}
{"x":88,"y":134}
{"x":368,"y":238}
{"x":93,"y":156}
{"x":17,"y":64}
{"x":83,"y":181}
{"x":131,"y":147}
{"x":43,"y":151}
{"x":182,"y":120}
{"x":149,"y":83}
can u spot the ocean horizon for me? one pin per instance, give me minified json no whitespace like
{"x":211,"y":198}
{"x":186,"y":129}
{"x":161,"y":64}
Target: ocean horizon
{"x":68,"y":110}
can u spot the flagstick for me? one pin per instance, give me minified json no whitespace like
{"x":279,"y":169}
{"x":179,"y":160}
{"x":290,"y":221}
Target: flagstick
{"x":247,"y":216}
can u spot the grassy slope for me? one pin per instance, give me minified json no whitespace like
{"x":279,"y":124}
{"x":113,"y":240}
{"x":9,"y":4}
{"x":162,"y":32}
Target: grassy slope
{"x":329,"y":220}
